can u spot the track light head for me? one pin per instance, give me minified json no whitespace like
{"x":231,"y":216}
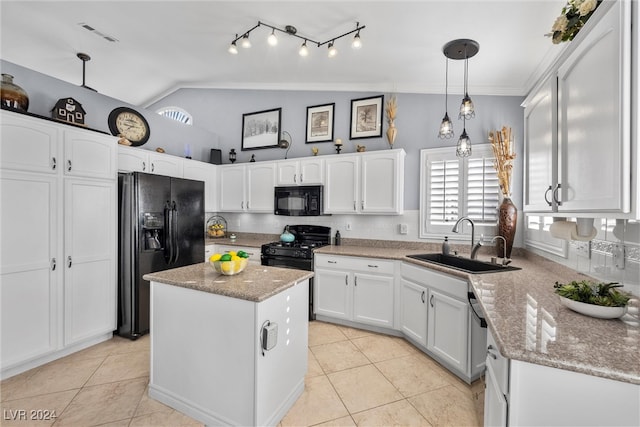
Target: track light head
{"x":245,"y":43}
{"x":304,"y":50}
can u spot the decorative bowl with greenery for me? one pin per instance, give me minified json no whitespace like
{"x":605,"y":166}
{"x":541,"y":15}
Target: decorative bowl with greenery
{"x":599,"y":300}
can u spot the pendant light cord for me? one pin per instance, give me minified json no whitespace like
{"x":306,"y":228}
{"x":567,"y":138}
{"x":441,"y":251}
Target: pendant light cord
{"x":446,"y":84}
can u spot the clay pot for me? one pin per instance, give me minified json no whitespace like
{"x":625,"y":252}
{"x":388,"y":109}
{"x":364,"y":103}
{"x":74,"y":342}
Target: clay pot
{"x":13,"y":96}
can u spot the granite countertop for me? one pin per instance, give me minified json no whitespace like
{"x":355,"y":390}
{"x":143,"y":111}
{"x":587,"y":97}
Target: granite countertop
{"x":526,"y":317}
{"x":256,"y":283}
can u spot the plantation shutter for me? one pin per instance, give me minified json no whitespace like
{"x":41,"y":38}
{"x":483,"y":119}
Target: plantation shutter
{"x":444,"y":191}
{"x":482,"y":190}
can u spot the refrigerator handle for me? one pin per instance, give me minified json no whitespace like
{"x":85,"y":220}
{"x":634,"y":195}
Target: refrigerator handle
{"x":174,"y":232}
{"x":168,"y":241}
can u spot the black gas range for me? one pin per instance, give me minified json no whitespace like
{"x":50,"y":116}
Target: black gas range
{"x":299,"y":253}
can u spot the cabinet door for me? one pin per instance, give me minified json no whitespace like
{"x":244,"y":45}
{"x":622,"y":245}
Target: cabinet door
{"x":341,"y":188}
{"x":382,"y":180}
{"x":28,"y":144}
{"x":332,"y":293}
{"x":164,"y":164}
{"x":541,"y":148}
{"x":205,"y":172}
{"x":373,"y":299}
{"x":287,"y":172}
{"x":133,"y":160}
{"x":89,"y":154}
{"x":495,"y":403}
{"x":448,"y":329}
{"x":413,"y":311}
{"x":311,"y":171}
{"x":90,"y":260}
{"x":29,"y":268}
{"x":231,"y":188}
{"x":260,"y":183}
{"x":594,"y":119}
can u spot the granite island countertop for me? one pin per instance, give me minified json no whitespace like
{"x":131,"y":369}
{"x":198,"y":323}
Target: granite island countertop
{"x":527,"y":319}
{"x":256,"y":283}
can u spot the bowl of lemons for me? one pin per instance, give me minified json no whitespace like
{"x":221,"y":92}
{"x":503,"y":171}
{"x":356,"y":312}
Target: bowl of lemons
{"x":229,"y":263}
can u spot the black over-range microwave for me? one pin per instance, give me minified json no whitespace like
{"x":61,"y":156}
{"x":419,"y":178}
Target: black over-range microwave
{"x":301,"y":200}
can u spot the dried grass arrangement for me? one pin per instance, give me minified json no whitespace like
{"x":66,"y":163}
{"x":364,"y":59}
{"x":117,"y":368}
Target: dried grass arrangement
{"x":502,"y":144}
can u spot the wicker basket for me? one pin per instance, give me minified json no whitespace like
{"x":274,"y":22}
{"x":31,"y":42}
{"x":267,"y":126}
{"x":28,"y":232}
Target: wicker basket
{"x":216,"y":227}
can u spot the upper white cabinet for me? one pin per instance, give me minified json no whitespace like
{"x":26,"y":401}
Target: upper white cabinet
{"x":29,"y":145}
{"x":89,"y":154}
{"x":577,"y":124}
{"x":367,"y":183}
{"x":307,"y":171}
{"x":247,"y":187}
{"x":207,"y":173}
{"x":139,"y":160}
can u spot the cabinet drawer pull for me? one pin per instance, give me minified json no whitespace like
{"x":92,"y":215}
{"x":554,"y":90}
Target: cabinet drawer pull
{"x":153,"y":167}
{"x":355,"y":281}
{"x":346,"y":280}
{"x":490,"y":353}
{"x":431,"y":301}
{"x":69,"y":165}
{"x":354,"y":205}
{"x":53,"y":264}
{"x":54,"y":163}
{"x":300,"y":178}
{"x":332,"y":262}
{"x":144,"y":166}
{"x":422,"y":297}
{"x":295,"y":179}
{"x":372,"y":266}
{"x":546,"y":193}
{"x":362,"y":205}
{"x":69,"y":261}
{"x":248,"y":205}
{"x":242,"y":205}
{"x":555,"y":195}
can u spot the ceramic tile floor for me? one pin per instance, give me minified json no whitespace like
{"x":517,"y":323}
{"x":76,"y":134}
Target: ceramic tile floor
{"x":355,"y":377}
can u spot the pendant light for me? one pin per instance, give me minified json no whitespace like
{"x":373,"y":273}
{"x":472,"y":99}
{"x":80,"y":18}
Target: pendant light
{"x":446,"y":127}
{"x":463,"y":149}
{"x":466,"y":107}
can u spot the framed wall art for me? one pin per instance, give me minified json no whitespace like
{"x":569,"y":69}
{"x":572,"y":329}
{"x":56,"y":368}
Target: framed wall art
{"x":261,"y":129}
{"x":366,"y":117}
{"x":320,"y":123}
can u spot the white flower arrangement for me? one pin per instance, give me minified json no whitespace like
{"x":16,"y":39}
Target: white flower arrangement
{"x":574,"y":15}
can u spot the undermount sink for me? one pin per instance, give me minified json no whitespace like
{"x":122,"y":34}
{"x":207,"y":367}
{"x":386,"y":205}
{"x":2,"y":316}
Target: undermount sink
{"x":465,"y":264}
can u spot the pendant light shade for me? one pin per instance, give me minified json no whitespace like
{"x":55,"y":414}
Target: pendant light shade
{"x":446,"y":127}
{"x":466,"y":107}
{"x":463,"y":149}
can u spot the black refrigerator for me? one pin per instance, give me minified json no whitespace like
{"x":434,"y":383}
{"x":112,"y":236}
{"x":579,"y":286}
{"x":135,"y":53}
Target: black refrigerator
{"x":161,"y":226}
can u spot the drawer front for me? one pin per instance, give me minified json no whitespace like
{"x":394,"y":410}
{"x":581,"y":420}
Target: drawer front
{"x":442,"y":282}
{"x":370,"y":265}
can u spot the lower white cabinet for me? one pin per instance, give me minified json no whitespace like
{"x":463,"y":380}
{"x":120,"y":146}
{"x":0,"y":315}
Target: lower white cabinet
{"x":413,"y":311}
{"x":355,"y":289}
{"x":448,"y":329}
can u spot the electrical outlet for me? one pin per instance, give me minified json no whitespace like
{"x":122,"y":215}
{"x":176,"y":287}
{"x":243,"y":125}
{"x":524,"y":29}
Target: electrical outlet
{"x":403,"y":228}
{"x":618,"y":255}
{"x":347,"y":226}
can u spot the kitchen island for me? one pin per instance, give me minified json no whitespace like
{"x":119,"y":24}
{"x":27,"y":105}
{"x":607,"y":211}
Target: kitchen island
{"x":229,"y":350}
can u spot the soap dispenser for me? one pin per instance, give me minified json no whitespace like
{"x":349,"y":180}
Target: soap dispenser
{"x":338,"y":239}
{"x":445,"y":246}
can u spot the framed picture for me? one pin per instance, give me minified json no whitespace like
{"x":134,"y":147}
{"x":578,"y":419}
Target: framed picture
{"x":320,"y":123}
{"x":366,"y":117}
{"x":261,"y":129}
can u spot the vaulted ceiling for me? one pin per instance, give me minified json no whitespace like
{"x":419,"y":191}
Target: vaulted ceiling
{"x":166,"y":45}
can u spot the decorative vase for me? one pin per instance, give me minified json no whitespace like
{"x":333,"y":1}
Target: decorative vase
{"x":13,"y":96}
{"x":507,"y":219}
{"x":391,"y":133}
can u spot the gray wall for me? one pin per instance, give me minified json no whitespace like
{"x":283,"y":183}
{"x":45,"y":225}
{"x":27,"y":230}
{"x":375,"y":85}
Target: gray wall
{"x":45,"y":90}
{"x":419,"y":115}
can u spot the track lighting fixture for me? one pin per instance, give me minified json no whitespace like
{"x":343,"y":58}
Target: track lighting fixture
{"x":460,"y":49}
{"x":292,"y":31}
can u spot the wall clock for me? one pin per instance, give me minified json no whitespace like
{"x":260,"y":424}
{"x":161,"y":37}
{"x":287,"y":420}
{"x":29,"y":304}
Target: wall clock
{"x":130,"y":124}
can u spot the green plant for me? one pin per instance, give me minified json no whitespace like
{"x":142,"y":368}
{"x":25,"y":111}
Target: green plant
{"x":588,"y":292}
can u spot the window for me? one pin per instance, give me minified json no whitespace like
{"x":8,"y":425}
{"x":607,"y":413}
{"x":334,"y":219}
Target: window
{"x":452,"y":187}
{"x":177,"y":114}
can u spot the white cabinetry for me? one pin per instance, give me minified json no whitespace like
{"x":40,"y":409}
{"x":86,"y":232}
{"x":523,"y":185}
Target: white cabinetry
{"x":247,"y":188}
{"x":496,"y":400}
{"x":58,"y":295}
{"x":367,"y":183}
{"x":300,"y":172}
{"x":355,"y":289}
{"x":139,"y":160}
{"x":435,"y":314}
{"x":589,"y":171}
{"x":207,"y":173}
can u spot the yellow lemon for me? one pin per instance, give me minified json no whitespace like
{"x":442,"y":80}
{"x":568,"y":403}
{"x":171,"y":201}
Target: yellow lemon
{"x":227,"y":266}
{"x":235,"y":258}
{"x":232,"y":253}
{"x":214,"y":257}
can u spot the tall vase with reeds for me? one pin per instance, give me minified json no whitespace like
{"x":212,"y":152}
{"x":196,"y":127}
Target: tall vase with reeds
{"x":502,"y":144}
{"x":391,"y":110}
